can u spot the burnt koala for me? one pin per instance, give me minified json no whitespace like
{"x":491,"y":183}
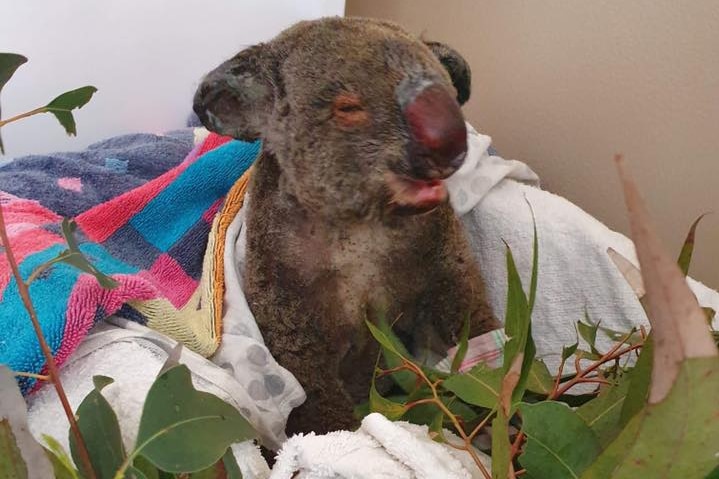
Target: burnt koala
{"x":348,"y":214}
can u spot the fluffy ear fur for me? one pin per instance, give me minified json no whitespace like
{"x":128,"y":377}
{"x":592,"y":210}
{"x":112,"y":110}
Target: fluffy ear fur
{"x":236,"y":98}
{"x":457,"y":67}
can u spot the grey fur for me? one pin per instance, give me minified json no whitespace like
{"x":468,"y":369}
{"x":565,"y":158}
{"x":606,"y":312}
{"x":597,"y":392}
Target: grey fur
{"x":326,"y":248}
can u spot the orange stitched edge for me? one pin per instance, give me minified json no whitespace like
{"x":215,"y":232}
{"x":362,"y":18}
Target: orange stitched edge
{"x":233,"y":202}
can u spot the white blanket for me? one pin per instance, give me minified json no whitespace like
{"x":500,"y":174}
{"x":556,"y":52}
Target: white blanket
{"x":492,"y":196}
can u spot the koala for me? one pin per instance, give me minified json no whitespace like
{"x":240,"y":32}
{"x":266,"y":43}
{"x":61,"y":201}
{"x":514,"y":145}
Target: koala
{"x":348,"y":218}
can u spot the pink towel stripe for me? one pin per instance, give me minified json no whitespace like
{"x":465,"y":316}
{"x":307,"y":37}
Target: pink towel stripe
{"x":172,"y":281}
{"x":87,"y":295}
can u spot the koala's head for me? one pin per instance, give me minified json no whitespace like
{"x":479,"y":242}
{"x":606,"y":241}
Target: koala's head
{"x":361,"y":116}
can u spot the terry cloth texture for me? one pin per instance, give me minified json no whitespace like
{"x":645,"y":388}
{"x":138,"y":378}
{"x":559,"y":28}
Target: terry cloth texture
{"x":162,"y":241}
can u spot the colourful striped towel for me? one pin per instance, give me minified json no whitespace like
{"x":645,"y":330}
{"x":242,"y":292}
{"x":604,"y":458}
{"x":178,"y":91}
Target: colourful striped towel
{"x":162,"y":242}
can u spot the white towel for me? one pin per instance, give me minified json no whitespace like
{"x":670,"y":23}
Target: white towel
{"x":575,"y":271}
{"x":379,"y":449}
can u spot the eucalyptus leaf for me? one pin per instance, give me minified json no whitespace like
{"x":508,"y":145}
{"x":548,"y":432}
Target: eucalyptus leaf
{"x":568,"y":351}
{"x":603,"y":414}
{"x":185,"y":430}
{"x":676,"y":437}
{"x":479,"y":386}
{"x":61,"y":462}
{"x":638,"y":389}
{"x":232,"y":470}
{"x":501,"y":458}
{"x":588,"y":332}
{"x":141,"y":466}
{"x":461,"y":347}
{"x":388,"y":408}
{"x":20,"y":455}
{"x":540,"y":380}
{"x":100,"y":430}
{"x":517,"y":326}
{"x":62,"y":106}
{"x":75,"y":257}
{"x":559,"y":444}
{"x":685,"y":257}
{"x":9,"y":63}
{"x":12,"y":464}
{"x":395,"y":356}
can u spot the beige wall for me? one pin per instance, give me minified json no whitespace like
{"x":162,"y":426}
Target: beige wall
{"x":563,"y":85}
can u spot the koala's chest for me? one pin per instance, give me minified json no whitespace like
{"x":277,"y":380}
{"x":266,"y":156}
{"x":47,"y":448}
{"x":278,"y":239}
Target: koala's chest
{"x":351,"y":265}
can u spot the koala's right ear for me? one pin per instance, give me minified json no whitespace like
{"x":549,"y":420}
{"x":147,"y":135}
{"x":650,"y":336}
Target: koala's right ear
{"x":236,"y":98}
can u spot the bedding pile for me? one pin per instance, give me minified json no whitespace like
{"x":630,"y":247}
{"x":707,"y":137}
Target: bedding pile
{"x":161,"y":240}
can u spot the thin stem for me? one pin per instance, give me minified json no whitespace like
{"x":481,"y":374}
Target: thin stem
{"x":49,"y":359}
{"x":41,"y":377}
{"x":581,"y":376}
{"x":42,"y":109}
{"x":479,"y":426}
{"x":467,"y":442}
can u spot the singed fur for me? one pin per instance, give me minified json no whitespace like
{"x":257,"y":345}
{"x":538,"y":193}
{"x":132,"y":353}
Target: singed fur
{"x":326,"y":248}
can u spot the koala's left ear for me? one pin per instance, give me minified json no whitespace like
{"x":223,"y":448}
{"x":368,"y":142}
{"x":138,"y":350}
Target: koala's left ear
{"x":457,"y":67}
{"x":236,"y":98}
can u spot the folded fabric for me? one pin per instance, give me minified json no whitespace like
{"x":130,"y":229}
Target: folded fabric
{"x":161,"y":241}
{"x":132,"y":355}
{"x":380,"y":448}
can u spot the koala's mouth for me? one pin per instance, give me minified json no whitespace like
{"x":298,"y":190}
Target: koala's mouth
{"x":413,"y":196}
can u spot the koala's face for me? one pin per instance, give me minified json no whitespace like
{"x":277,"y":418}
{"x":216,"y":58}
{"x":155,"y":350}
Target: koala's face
{"x":362,"y":117}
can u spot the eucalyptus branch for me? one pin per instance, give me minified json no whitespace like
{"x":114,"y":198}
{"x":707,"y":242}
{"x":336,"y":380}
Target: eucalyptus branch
{"x":467,"y":446}
{"x":52,"y":368}
{"x":36,"y":111}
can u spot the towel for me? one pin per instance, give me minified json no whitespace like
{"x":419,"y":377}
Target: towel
{"x":133,"y":355}
{"x":160,"y":241}
{"x":379,"y":449}
{"x":577,"y":279}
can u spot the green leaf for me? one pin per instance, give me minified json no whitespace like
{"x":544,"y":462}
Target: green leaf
{"x":501,"y":460}
{"x":540,"y":380}
{"x":9,"y":63}
{"x":383,"y":339}
{"x":20,"y":455}
{"x":517,"y":327}
{"x":185,"y":430}
{"x":76,"y":258}
{"x":232,"y":470}
{"x":461,"y":347}
{"x":639,"y":383}
{"x":603,"y":414}
{"x":685,"y":257}
{"x":396,"y":355}
{"x":676,"y":437}
{"x":100,"y":430}
{"x":479,"y":386}
{"x":616,"y":336}
{"x":435,"y":428}
{"x":591,"y":355}
{"x":388,"y":408}
{"x":143,"y":467}
{"x":567,"y":351}
{"x":63,"y":105}
{"x":535,"y":261}
{"x":61,"y":462}
{"x":588,"y":332}
{"x":559,"y":444}
{"x":12,"y":464}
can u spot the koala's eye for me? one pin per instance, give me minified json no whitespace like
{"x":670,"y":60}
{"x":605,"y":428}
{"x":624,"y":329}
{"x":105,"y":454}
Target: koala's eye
{"x":348,"y":110}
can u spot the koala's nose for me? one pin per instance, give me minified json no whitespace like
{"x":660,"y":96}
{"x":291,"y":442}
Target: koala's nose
{"x":438,"y":135}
